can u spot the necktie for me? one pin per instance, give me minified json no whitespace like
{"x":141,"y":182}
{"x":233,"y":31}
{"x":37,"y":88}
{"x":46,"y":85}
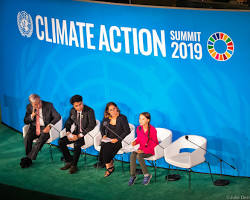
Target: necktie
{"x":37,"y":123}
{"x":80,"y":123}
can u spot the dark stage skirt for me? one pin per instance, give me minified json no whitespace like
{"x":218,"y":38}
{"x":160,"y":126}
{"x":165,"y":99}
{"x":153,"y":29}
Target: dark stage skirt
{"x":108,"y":151}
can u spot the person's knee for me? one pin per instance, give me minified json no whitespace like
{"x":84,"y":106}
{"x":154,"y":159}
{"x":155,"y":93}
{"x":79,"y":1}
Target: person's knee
{"x":77,"y":146}
{"x":28,"y":139}
{"x":133,"y":155}
{"x":45,"y":136}
{"x":61,"y":142}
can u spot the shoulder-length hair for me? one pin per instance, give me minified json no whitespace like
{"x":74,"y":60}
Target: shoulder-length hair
{"x":106,"y":112}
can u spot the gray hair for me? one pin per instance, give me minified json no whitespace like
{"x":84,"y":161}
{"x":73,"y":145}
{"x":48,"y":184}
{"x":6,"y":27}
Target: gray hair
{"x":33,"y":98}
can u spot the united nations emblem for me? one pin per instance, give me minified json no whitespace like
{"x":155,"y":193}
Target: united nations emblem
{"x":25,"y":24}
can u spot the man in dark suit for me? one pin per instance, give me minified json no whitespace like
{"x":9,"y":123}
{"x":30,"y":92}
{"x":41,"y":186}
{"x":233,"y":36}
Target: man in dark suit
{"x":83,"y":117}
{"x":41,"y":116}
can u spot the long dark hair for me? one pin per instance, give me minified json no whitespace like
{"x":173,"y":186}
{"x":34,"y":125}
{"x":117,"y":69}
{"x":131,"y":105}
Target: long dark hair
{"x":106,"y":112}
{"x":148,"y":116}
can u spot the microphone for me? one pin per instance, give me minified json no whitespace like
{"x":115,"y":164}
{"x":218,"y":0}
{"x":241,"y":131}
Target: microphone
{"x":105,"y":124}
{"x":186,"y":137}
{"x":219,"y":182}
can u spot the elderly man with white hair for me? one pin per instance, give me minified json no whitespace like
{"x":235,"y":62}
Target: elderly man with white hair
{"x":41,"y":116}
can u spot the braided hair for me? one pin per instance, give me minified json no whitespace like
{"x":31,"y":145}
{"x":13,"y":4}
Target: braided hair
{"x":148,"y":116}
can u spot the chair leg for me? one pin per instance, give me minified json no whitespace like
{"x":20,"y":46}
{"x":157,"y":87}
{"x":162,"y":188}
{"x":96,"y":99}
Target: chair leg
{"x":168,"y":174}
{"x":50,"y":150}
{"x":85,"y":156}
{"x":155,"y":169}
{"x":189,"y":179}
{"x":210,"y":171}
{"x":122,"y":164}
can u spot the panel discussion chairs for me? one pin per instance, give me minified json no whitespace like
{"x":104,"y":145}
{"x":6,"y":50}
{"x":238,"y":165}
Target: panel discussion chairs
{"x":54,"y":134}
{"x":175,"y":157}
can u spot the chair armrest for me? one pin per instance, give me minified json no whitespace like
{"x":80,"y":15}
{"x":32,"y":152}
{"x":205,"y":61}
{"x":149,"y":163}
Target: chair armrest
{"x":166,"y":142}
{"x":55,"y":130}
{"x":97,"y":140}
{"x":95,"y":131}
{"x":89,"y":138}
{"x":89,"y":141}
{"x":25,"y":130}
{"x":159,"y":152}
{"x":63,"y":133}
{"x":171,"y":150}
{"x":128,"y":139}
{"x":197,"y":156}
{"x":159,"y":149}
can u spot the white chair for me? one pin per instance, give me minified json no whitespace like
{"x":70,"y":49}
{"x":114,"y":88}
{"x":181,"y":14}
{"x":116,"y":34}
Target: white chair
{"x":54,"y":134}
{"x":88,"y":138}
{"x":164,"y":137}
{"x":187,"y":160}
{"x":125,"y":142}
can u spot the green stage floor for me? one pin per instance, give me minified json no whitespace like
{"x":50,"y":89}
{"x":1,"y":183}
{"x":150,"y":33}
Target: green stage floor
{"x":88,"y":183}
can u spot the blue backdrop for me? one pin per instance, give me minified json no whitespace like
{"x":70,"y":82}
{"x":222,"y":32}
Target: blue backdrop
{"x":142,"y":58}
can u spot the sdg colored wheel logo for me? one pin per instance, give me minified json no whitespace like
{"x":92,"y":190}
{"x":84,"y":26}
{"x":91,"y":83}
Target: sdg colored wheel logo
{"x":220,"y":46}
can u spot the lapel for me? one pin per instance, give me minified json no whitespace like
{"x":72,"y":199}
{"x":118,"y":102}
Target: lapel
{"x":83,"y":115}
{"x":75,"y":117}
{"x":44,"y":112}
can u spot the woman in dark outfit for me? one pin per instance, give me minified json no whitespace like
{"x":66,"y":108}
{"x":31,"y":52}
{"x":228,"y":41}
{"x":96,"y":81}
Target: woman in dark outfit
{"x":118,"y":123}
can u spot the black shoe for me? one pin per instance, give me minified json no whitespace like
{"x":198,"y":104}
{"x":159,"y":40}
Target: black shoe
{"x":73,"y":169}
{"x":66,"y":166}
{"x":99,"y":165}
{"x":25,"y":162}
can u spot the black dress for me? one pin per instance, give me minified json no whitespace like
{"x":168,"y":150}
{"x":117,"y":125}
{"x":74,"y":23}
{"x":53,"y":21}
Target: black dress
{"x":109,"y":150}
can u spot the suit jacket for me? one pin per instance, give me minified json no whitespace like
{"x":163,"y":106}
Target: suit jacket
{"x":49,"y":114}
{"x":88,"y":120}
{"x":122,"y":127}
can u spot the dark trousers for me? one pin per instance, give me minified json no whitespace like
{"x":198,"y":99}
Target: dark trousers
{"x":77,"y":149}
{"x":30,"y":149}
{"x":108,"y":151}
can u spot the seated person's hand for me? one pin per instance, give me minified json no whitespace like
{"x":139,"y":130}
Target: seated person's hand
{"x":72,"y":137}
{"x":33,"y":114}
{"x":68,"y":133}
{"x":139,"y":151}
{"x":46,"y":129}
{"x":114,"y":140}
{"x":133,"y":143}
